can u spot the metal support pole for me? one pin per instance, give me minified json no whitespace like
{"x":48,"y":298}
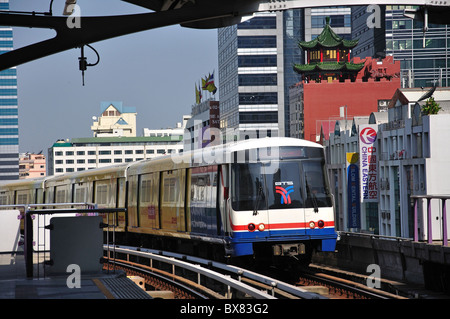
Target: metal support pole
{"x":416,"y":223}
{"x":429,"y":227}
{"x":28,"y":244}
{"x":444,"y":222}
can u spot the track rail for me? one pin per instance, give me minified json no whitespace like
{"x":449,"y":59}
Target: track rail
{"x":343,"y":288}
{"x":243,"y":282}
{"x":160,"y":280}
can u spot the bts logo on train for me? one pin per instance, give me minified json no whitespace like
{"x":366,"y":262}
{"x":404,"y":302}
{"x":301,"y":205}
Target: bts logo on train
{"x":284,"y":191}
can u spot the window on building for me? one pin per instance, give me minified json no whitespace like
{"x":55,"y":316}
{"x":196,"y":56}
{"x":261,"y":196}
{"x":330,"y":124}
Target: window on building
{"x":259,"y":23}
{"x":329,"y":55}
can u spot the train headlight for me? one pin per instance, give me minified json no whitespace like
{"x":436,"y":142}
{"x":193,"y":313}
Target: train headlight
{"x":251,"y":227}
{"x":312,"y":224}
{"x":321,"y":223}
{"x":261,"y":227}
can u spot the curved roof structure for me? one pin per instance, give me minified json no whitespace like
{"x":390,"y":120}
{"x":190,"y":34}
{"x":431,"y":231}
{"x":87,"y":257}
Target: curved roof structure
{"x":328,"y":39}
{"x":328,"y":66}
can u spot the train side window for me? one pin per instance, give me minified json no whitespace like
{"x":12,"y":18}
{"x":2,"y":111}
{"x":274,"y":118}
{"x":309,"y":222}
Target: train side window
{"x":203,"y":199}
{"x":80,"y":195}
{"x":22,"y":198}
{"x":102,"y":194}
{"x":172,"y":200}
{"x":61,"y":196}
{"x":149,"y":200}
{"x":3,"y":199}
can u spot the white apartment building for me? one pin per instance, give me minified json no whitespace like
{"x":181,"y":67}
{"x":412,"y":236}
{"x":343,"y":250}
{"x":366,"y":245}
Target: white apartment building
{"x":114,"y":120}
{"x":413,"y":160}
{"x":113,"y":142}
{"x":81,"y":154}
{"x":176,"y":131}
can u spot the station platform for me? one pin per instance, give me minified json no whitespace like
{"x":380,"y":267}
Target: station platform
{"x":14,"y":284}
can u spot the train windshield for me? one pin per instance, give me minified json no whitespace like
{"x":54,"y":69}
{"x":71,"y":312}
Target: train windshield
{"x":281,"y":184}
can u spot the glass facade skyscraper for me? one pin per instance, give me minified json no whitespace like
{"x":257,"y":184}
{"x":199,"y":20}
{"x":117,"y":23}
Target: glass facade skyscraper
{"x":9,"y":121}
{"x":255,"y":72}
{"x":423,"y":56}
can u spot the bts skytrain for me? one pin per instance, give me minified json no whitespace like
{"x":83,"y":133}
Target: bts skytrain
{"x":264,"y":198}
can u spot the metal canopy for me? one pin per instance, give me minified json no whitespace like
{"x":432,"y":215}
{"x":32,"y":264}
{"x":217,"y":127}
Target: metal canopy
{"x":188,"y":13}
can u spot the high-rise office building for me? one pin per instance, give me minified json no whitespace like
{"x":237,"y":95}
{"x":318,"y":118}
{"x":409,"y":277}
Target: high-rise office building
{"x":255,"y":72}
{"x":9,"y":122}
{"x":339,"y":20}
{"x":423,"y":56}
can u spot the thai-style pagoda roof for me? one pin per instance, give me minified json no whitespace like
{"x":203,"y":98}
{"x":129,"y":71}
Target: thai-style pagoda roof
{"x":328,"y":39}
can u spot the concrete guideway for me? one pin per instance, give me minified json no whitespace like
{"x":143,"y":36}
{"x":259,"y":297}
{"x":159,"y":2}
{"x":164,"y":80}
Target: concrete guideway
{"x":400,"y":259}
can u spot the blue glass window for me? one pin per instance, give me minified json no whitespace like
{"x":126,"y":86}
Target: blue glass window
{"x":258,"y":98}
{"x":257,"y":79}
{"x":8,"y":101}
{"x":9,"y":72}
{"x":6,"y":44}
{"x":336,"y":21}
{"x":9,"y":141}
{"x":9,"y":121}
{"x":4,"y":112}
{"x":259,"y":23}
{"x":9,"y":131}
{"x":268,"y":41}
{"x":257,"y":60}
{"x":258,"y":117}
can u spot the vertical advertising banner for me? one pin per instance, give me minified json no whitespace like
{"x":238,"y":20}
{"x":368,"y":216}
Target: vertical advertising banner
{"x":353,"y":201}
{"x":368,"y":163}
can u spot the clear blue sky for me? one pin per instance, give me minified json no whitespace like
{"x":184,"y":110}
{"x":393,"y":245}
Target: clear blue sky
{"x":154,"y":71}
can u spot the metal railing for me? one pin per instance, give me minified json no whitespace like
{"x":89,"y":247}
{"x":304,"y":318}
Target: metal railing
{"x":443,"y":199}
{"x":193,"y":264}
{"x":29,"y":210}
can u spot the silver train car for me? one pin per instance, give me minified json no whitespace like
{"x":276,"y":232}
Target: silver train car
{"x":263,"y":198}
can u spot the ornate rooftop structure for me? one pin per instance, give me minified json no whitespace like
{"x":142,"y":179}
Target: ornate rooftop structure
{"x":328,"y":57}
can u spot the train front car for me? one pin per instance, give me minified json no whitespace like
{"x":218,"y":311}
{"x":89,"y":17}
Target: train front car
{"x":280,"y":204}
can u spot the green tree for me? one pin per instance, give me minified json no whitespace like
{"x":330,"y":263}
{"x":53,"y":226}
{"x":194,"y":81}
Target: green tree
{"x":431,"y":107}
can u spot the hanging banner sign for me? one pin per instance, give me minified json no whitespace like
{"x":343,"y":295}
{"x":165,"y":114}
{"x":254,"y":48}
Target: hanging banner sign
{"x":353,"y":201}
{"x":368,"y":163}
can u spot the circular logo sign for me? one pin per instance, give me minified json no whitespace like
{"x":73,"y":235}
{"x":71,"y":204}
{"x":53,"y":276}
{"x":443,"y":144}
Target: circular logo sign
{"x":368,"y":135}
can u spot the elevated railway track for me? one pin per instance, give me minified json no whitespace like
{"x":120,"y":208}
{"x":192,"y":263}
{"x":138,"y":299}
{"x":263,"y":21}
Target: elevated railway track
{"x":191,"y":277}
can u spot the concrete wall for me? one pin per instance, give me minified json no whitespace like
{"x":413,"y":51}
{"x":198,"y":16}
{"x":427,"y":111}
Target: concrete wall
{"x":400,"y":260}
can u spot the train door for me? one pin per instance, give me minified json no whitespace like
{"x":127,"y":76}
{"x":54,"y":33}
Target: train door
{"x":286,"y":212}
